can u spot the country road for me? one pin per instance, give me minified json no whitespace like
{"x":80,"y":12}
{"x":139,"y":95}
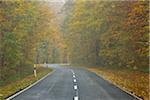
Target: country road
{"x":107,"y":39}
{"x":67,"y":83}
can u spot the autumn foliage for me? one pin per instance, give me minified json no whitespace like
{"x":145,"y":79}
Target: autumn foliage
{"x":29,"y":34}
{"x":108,"y":33}
{"x":134,"y":82}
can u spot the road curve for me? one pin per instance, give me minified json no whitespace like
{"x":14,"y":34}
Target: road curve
{"x":73,"y":84}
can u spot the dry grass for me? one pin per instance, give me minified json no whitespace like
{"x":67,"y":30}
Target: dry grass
{"x":13,"y":87}
{"x":132,"y":81}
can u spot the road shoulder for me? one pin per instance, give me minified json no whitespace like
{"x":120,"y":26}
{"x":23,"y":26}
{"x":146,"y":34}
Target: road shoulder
{"x":126,"y":84}
{"x":15,"y":88}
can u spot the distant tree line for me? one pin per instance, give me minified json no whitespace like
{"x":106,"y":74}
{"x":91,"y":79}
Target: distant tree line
{"x":107,"y":33}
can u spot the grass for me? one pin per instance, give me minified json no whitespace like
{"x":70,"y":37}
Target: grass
{"x":14,"y":74}
{"x":133,"y":81}
{"x":18,"y":85}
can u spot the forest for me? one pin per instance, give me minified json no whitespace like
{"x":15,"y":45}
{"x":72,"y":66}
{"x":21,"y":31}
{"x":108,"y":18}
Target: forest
{"x":112,"y":34}
{"x":28,"y":34}
{"x":107,"y":33}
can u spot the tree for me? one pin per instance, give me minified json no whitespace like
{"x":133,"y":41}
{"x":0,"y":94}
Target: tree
{"x":107,"y":33}
{"x":138,"y":28}
{"x":25,"y":27}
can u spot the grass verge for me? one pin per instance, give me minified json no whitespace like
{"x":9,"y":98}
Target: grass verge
{"x":16,"y":86}
{"x":133,"y":81}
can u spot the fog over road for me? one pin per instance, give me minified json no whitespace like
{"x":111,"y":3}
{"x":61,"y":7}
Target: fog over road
{"x":68,"y":83}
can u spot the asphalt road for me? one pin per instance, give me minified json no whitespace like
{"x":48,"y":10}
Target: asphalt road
{"x":73,"y":84}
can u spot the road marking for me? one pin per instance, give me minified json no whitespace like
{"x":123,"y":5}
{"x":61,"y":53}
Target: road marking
{"x":74,"y":80}
{"x":74,"y":76}
{"x":135,"y":96}
{"x":76,"y":98}
{"x":18,"y":93}
{"x":75,"y":87}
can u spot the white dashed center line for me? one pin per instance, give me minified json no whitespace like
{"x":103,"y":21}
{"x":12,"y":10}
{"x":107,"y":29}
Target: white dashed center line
{"x":74,"y":76}
{"x":74,"y":80}
{"x":76,"y":98}
{"x":75,"y":87}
